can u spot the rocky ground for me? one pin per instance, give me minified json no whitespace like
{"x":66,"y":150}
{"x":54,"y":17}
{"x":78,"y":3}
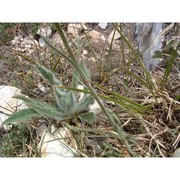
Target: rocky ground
{"x":94,"y":44}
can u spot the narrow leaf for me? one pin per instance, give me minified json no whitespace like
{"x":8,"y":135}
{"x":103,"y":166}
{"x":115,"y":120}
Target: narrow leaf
{"x":21,"y":116}
{"x":48,"y":75}
{"x":42,"y":108}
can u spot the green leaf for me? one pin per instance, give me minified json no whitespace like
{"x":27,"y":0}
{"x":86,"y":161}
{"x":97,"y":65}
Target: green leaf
{"x":177,"y":97}
{"x":35,"y":28}
{"x":157,"y":54}
{"x":88,"y":117}
{"x":76,"y":76}
{"x":84,"y":69}
{"x":21,"y":116}
{"x":75,"y":79}
{"x":169,"y":46}
{"x":49,"y":76}
{"x":67,"y":103}
{"x":169,"y":66}
{"x":42,"y":108}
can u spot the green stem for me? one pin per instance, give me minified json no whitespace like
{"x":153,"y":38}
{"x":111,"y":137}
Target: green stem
{"x":74,"y":62}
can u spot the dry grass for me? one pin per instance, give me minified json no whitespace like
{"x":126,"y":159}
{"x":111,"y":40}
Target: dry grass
{"x":154,"y":133}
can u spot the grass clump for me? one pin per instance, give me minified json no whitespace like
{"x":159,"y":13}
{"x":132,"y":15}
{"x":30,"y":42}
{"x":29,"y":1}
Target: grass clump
{"x":140,"y":109}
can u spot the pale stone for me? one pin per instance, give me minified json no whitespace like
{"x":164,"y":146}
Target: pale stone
{"x":177,"y":153}
{"x":42,"y":43}
{"x":14,"y":42}
{"x":53,"y":144}
{"x":92,"y":59}
{"x":74,"y":29}
{"x":8,"y":105}
{"x":85,"y":52}
{"x":80,"y":94}
{"x":150,"y":40}
{"x":57,"y":41}
{"x":23,"y":44}
{"x":44,"y":31}
{"x":102,"y":37}
{"x":42,"y":88}
{"x":116,"y":36}
{"x":103,"y":25}
{"x":95,"y":108}
{"x":94,"y":35}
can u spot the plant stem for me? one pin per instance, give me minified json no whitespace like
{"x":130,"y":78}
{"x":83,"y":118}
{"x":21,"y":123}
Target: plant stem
{"x":74,"y":62}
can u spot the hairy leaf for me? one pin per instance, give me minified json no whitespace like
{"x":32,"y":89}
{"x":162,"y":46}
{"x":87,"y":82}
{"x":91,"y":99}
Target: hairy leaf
{"x":49,"y":76}
{"x":88,"y":117}
{"x":21,"y":116}
{"x":42,"y":108}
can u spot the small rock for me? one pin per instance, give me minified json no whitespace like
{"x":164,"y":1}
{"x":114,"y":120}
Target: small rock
{"x":149,"y":34}
{"x":177,"y":153}
{"x":28,"y":46}
{"x":44,"y":31}
{"x":95,"y":108}
{"x":74,"y":29}
{"x":53,"y":145}
{"x":23,"y":44}
{"x":42,"y":88}
{"x":92,"y":59}
{"x":116,"y":36}
{"x":102,"y":38}
{"x":103,"y":25}
{"x":8,"y":105}
{"x":80,"y":94}
{"x":85,"y":52}
{"x":41,"y":42}
{"x":94,"y":35}
{"x":56,"y":41}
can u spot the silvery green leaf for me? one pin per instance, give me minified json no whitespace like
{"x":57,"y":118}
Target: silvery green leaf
{"x":76,"y":77}
{"x":49,"y":76}
{"x":157,"y":54}
{"x":21,"y":116}
{"x":67,"y":103}
{"x":84,"y":69}
{"x":88,"y":117}
{"x":42,"y":108}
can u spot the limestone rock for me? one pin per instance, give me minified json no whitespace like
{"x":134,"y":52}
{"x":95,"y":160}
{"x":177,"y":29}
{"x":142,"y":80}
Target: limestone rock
{"x":116,"y":36}
{"x":8,"y":105}
{"x":25,"y":45}
{"x":85,"y":52}
{"x":94,"y":35}
{"x":103,"y":25}
{"x":73,"y":29}
{"x":44,"y":30}
{"x":54,"y":145}
{"x":177,"y":153}
{"x":95,"y":108}
{"x":42,"y":43}
{"x":149,"y":41}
